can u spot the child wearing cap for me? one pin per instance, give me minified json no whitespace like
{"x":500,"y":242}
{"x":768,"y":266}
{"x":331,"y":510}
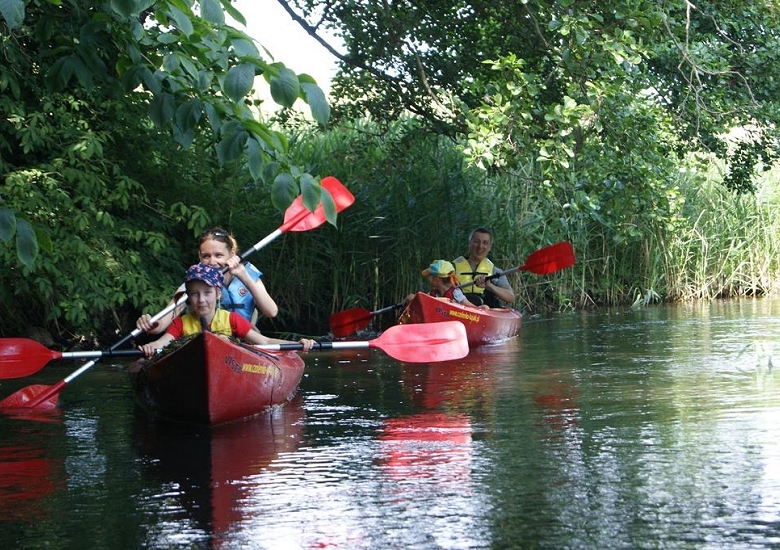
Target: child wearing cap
{"x":441,"y":276}
{"x":203,"y":285}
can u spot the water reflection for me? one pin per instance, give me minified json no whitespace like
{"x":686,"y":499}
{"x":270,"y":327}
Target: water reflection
{"x":654,"y":428}
{"x":29,"y":474}
{"x":206,"y":472}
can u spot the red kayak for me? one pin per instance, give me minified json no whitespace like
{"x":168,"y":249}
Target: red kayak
{"x":209,"y":380}
{"x":483,"y":326}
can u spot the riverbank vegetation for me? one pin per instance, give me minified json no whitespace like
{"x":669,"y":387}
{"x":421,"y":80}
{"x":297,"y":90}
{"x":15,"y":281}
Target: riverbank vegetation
{"x":645,"y":135}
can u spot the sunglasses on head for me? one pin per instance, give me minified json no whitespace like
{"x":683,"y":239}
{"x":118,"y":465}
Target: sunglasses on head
{"x":218,"y":234}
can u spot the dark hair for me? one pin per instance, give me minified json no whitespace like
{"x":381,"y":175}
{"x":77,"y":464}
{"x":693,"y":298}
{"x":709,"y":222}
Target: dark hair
{"x":482,"y":230}
{"x":221,"y":235}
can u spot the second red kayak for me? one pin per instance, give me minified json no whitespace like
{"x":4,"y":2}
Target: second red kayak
{"x":483,"y":326}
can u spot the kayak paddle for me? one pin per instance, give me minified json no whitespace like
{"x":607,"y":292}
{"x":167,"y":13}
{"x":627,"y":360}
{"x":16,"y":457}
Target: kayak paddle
{"x":422,"y":343}
{"x":542,"y":262}
{"x":296,"y":218}
{"x":349,"y":321}
{"x":21,"y":357}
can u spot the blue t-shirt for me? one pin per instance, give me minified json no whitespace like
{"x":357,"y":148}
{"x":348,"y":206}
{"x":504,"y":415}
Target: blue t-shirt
{"x":236,"y":297}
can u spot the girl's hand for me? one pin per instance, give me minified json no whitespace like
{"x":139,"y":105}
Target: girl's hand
{"x":307,"y":344}
{"x":236,"y":268}
{"x":148,"y":350}
{"x":145,"y":324}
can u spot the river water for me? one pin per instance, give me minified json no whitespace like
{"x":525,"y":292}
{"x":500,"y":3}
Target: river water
{"x":653,"y":428}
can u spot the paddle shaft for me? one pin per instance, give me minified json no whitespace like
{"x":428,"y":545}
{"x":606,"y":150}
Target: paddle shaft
{"x":388,"y":308}
{"x":544,"y":261}
{"x":495,"y":276}
{"x":296,"y":346}
{"x":425,"y":343}
{"x":490,"y":277}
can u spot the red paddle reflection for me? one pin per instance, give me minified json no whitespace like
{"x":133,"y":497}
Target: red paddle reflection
{"x":435,"y":445}
{"x":27,"y":476}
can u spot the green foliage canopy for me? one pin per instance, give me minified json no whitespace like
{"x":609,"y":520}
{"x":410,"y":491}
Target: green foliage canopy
{"x":539,"y":78}
{"x":119,"y":118}
{"x":194,"y":70}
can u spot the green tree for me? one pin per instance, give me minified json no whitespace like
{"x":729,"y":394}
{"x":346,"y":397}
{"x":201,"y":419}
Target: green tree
{"x":196,"y":71}
{"x":118,"y":118}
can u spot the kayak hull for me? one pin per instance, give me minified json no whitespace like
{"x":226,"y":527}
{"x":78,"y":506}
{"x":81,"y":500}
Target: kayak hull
{"x":483,"y":326}
{"x":210,"y":380}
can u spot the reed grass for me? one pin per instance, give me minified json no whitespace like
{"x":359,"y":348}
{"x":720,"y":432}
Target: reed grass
{"x":417,"y":201}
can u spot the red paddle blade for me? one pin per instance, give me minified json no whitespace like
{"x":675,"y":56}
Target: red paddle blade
{"x":37,"y":396}
{"x":424,"y":343}
{"x":349,"y":321}
{"x":550,"y":259}
{"x":22,"y":357}
{"x":299,"y":218}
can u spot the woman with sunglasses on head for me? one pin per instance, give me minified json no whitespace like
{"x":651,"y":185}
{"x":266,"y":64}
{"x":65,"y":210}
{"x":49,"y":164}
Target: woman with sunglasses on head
{"x":243,"y":288}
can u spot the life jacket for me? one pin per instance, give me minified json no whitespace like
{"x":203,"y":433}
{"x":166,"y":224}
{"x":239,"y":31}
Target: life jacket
{"x":219,"y":325}
{"x":463,"y":273}
{"x":450,"y":292}
{"x":236,"y":297}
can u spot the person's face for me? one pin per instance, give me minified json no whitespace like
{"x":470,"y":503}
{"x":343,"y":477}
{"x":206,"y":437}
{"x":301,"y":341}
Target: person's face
{"x":212,"y":252}
{"x":202,"y":298}
{"x":436,"y":282}
{"x":479,"y":246}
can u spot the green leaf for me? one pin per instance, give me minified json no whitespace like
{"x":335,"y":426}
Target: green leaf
{"x":60,"y":73}
{"x":283,"y":191}
{"x":188,"y":115}
{"x":311,"y":191}
{"x":162,"y":109}
{"x":26,"y":243}
{"x":125,"y":8}
{"x":244,"y":47}
{"x":211,"y":11}
{"x":233,"y":12}
{"x":181,"y":19}
{"x":13,"y":12}
{"x":315,"y":97}
{"x":285,"y":87}
{"x":329,"y":207}
{"x":254,"y":153}
{"x":7,"y":224}
{"x":44,"y":240}
{"x":83,"y":74}
{"x":239,"y":81}
{"x":151,"y":81}
{"x":231,"y":146}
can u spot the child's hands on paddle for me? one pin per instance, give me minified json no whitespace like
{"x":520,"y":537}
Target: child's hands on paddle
{"x":307,"y":343}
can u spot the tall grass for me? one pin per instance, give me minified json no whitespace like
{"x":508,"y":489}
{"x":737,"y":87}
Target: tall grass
{"x":417,"y":201}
